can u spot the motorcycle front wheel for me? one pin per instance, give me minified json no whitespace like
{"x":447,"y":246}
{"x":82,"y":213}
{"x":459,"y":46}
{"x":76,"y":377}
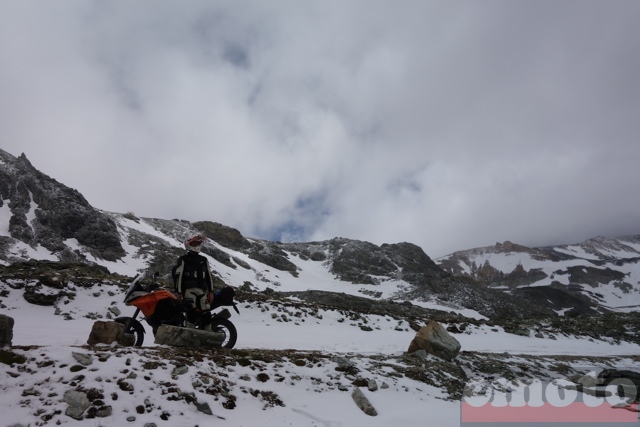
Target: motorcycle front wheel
{"x":227,"y":328}
{"x":135,"y":328}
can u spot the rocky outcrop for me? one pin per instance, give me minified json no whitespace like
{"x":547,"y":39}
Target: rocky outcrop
{"x":6,"y":330}
{"x":60,"y":212}
{"x":226,"y":236}
{"x":273,"y":255}
{"x":435,"y":339}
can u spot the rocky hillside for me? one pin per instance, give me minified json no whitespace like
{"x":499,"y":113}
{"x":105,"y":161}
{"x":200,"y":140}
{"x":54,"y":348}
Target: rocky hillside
{"x":600,"y":274}
{"x":38,"y":211}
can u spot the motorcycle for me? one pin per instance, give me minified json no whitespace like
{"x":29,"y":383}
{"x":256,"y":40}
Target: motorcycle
{"x":161,"y":307}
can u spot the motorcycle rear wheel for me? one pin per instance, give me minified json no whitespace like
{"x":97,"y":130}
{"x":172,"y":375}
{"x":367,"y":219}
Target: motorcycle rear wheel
{"x":135,"y":328}
{"x":227,"y":328}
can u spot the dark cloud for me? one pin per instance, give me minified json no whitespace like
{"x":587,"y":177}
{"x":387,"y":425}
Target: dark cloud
{"x":446,"y":124}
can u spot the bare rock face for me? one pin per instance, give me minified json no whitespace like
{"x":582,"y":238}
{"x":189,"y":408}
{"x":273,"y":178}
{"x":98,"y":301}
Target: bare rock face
{"x":6,"y":330}
{"x":185,"y":337}
{"x":109,"y":332}
{"x":62,"y":213}
{"x":435,"y":339}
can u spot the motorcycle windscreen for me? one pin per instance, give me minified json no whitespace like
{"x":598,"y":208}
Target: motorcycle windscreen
{"x":134,"y":285}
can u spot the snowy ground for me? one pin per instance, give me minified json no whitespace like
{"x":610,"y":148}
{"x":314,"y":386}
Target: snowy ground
{"x":310,"y":393}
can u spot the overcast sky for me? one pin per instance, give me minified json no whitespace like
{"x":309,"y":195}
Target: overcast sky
{"x":448,"y":124}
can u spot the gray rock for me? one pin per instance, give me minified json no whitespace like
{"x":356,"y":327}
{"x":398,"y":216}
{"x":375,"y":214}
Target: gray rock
{"x":109,"y":332}
{"x":589,"y":381}
{"x":180,"y":370}
{"x":185,"y":337}
{"x":363,"y":403}
{"x":343,"y":362}
{"x":38,"y":296}
{"x":115,"y":310}
{"x":6,"y":330}
{"x":83,"y":359}
{"x":372,"y":385}
{"x":104,"y":412}
{"x":204,"y":408}
{"x":435,"y":339}
{"x":78,"y":403}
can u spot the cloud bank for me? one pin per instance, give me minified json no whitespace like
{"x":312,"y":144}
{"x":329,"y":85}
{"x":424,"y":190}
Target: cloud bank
{"x":449,"y":125}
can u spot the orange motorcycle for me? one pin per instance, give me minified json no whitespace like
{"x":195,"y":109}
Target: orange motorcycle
{"x":161,"y":307}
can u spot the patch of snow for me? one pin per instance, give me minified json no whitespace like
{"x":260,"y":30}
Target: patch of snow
{"x":5,"y":217}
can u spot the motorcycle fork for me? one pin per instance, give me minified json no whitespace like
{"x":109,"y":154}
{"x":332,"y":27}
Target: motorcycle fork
{"x":131,"y":319}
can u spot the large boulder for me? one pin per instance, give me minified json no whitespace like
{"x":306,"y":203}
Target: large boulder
{"x":6,"y":330}
{"x":186,"y":337}
{"x":435,"y":339}
{"x":109,"y":332}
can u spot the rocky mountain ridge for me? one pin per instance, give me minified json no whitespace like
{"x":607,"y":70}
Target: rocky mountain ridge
{"x":43,"y":219}
{"x":599,"y":274}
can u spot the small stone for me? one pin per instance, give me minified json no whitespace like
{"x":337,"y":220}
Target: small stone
{"x":83,"y":359}
{"x":204,"y":408}
{"x":180,"y":370}
{"x":104,"y":412}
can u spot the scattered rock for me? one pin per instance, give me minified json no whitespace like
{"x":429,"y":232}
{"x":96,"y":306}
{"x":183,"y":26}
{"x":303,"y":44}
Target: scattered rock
{"x":204,"y":408}
{"x":83,"y":359}
{"x":434,"y":339}
{"x":104,"y":412}
{"x":36,"y":297}
{"x":588,"y":381}
{"x":9,"y":358}
{"x":363,"y":403}
{"x":180,"y":370}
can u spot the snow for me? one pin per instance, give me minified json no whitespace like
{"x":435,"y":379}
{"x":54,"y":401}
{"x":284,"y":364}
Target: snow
{"x":31,"y":213}
{"x":5,"y":216}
